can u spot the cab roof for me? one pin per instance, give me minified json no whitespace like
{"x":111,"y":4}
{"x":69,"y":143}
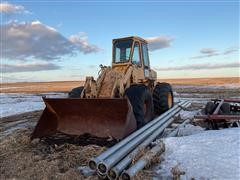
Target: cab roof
{"x":132,"y":38}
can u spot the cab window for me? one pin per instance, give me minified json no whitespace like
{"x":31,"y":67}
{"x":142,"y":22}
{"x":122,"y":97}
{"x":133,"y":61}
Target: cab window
{"x":122,"y":51}
{"x":145,"y":55}
{"x":136,"y":54}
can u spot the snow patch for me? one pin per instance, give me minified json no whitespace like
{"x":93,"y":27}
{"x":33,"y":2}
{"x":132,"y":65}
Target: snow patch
{"x":188,"y":114}
{"x":211,"y":154}
{"x":189,"y":129}
{"x":14,"y":103}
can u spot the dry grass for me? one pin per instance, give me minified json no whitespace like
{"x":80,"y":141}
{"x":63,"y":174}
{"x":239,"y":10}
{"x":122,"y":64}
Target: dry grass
{"x":22,"y":159}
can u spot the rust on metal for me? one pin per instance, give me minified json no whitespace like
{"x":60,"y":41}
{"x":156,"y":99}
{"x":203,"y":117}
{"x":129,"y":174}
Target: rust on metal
{"x":97,"y":116}
{"x":47,"y":124}
{"x":216,"y":117}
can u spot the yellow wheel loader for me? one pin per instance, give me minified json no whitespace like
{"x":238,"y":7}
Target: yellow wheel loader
{"x":122,"y":99}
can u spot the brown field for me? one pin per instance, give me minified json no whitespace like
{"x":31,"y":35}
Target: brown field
{"x":203,"y":81}
{"x":37,"y":87}
{"x":66,"y":86}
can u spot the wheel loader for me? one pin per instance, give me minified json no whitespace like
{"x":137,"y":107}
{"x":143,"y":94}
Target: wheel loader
{"x":122,"y":99}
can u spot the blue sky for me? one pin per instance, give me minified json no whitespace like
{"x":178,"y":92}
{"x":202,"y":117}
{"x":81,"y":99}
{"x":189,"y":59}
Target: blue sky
{"x":67,"y":40}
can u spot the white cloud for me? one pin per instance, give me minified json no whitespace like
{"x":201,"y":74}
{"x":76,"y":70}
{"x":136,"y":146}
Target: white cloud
{"x":29,"y":67}
{"x":201,"y":66}
{"x":8,"y":8}
{"x":231,"y":50}
{"x":159,"y":42}
{"x":208,"y":51}
{"x":81,"y":41}
{"x":34,"y":40}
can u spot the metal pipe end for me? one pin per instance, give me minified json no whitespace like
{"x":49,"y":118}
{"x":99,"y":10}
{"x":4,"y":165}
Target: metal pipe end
{"x":125,"y":176}
{"x":102,"y":168}
{"x":112,"y":174}
{"x":92,"y":164}
{"x":100,"y":176}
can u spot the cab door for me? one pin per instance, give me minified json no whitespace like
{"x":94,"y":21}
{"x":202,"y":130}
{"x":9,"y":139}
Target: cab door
{"x":138,"y":73}
{"x":145,"y":58}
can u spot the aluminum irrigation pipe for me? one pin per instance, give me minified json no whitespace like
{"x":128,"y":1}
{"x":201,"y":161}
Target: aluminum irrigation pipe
{"x":175,"y":131}
{"x":104,"y":166}
{"x":94,"y":161}
{"x":117,"y":170}
{"x":141,"y":163}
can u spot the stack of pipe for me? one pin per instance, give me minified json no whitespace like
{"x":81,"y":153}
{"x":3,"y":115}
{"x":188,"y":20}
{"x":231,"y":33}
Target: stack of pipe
{"x":116,"y":159}
{"x":143,"y":161}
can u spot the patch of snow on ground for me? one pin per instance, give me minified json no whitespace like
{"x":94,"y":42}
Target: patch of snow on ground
{"x":211,"y":154}
{"x":188,"y":114}
{"x":14,"y":103}
{"x":189,"y":129}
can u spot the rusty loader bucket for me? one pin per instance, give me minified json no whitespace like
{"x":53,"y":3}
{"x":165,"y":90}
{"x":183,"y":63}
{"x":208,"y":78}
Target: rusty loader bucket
{"x":98,"y":117}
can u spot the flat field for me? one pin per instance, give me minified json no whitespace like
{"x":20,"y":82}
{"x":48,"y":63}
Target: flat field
{"x":66,"y":86}
{"x":204,"y":81}
{"x":39,"y":87}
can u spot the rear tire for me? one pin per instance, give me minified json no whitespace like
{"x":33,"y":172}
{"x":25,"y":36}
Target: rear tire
{"x":141,"y":100}
{"x":76,"y":92}
{"x":209,"y":108}
{"x":225,"y":109}
{"x":162,"y":98}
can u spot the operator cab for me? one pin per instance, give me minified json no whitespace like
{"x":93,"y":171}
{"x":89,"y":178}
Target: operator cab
{"x":131,"y":50}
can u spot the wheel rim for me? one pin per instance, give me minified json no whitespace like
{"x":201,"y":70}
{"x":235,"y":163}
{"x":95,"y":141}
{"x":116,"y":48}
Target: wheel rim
{"x":170,"y":102}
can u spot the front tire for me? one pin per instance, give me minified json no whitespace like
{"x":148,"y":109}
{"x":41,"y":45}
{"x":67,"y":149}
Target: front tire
{"x":162,"y":98}
{"x":141,"y":100}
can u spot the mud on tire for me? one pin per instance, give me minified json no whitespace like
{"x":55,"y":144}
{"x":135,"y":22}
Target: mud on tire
{"x":141,"y":100}
{"x":162,"y":98}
